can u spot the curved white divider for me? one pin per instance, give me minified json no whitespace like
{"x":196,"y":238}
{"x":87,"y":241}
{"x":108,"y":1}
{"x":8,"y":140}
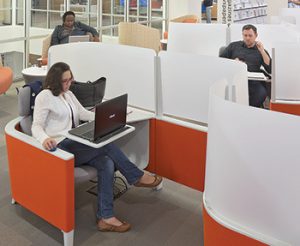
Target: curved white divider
{"x":286,"y":84}
{"x":186,"y":79}
{"x":127,"y":69}
{"x":196,"y":38}
{"x":269,"y":35}
{"x":252,"y":171}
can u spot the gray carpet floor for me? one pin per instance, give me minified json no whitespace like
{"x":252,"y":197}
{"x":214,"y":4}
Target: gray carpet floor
{"x":171,"y":216}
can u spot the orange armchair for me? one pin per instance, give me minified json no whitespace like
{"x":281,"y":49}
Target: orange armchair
{"x":6,"y":78}
{"x":41,"y":181}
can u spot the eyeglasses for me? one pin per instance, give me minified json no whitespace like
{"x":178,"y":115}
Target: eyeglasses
{"x":65,"y":81}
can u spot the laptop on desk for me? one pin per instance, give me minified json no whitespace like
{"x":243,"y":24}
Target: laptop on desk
{"x":79,"y":38}
{"x":110,"y":120}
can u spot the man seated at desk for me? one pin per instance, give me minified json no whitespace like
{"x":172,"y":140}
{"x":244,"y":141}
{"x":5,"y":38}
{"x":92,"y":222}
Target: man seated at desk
{"x":251,"y":52}
{"x":70,"y":27}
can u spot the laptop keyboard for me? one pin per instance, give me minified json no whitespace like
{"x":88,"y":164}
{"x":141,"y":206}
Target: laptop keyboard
{"x":89,"y":134}
{"x":108,"y":136}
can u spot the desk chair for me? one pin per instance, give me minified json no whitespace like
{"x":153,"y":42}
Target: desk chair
{"x":42,"y":181}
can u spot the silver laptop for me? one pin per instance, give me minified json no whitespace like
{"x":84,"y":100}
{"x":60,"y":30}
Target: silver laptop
{"x":110,"y":120}
{"x":79,"y":38}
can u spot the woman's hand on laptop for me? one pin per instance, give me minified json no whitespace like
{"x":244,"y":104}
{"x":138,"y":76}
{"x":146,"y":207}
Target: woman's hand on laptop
{"x":49,"y":144}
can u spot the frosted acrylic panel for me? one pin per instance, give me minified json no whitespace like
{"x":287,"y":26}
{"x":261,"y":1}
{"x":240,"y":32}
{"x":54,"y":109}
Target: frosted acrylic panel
{"x":127,"y":69}
{"x":196,"y":38}
{"x":252,"y":170}
{"x":286,"y":72}
{"x":186,"y":79}
{"x":269,"y":35}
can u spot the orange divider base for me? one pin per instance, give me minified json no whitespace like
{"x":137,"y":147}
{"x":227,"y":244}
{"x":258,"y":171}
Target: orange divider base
{"x":285,"y":108}
{"x":42,"y":183}
{"x":179,"y":155}
{"x":216,"y":234}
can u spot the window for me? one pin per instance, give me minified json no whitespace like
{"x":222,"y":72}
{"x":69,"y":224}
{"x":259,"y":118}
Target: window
{"x":5,"y":13}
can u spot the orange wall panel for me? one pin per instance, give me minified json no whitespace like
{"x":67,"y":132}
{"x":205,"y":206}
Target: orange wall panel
{"x":285,"y":108}
{"x":180,"y":154}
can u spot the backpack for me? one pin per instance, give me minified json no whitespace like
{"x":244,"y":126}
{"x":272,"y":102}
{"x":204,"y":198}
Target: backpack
{"x":35,"y":88}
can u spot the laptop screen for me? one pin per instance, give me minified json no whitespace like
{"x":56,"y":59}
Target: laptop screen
{"x":79,"y":38}
{"x":110,"y":115}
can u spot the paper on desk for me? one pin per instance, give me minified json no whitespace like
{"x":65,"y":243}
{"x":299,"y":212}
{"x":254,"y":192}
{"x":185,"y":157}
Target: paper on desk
{"x":256,"y":76}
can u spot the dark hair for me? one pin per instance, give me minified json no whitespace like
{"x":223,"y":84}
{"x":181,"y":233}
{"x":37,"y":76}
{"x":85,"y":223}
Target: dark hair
{"x":53,"y":80}
{"x":66,"y":14}
{"x":248,"y":27}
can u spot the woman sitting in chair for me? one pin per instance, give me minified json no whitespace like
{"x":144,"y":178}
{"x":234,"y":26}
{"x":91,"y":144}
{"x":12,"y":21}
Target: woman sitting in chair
{"x":70,"y":27}
{"x":57,"y":109}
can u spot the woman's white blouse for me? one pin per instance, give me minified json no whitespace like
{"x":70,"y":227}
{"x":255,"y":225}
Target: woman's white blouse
{"x":52,"y":115}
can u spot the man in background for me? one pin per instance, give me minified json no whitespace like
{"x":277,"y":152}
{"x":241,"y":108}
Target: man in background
{"x":251,"y":52}
{"x":71,"y":27}
{"x":208,"y":6}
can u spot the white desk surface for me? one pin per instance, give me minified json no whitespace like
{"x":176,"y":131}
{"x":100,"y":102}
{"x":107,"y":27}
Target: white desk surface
{"x":134,"y":115}
{"x":35,"y":71}
{"x":98,"y":145}
{"x":257,"y":76}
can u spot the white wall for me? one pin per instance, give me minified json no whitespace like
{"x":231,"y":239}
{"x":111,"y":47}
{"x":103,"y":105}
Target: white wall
{"x":184,"y":7}
{"x":274,"y":7}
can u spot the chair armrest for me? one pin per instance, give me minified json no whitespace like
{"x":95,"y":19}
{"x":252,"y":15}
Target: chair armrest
{"x":10,"y":130}
{"x":41,"y":181}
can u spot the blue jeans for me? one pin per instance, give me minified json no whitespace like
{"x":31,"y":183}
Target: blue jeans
{"x":106,"y":160}
{"x":257,"y":93}
{"x":208,"y":14}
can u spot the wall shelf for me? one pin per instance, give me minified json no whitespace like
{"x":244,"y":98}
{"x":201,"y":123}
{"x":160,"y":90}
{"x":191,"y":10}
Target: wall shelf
{"x":254,"y":7}
{"x":253,"y":10}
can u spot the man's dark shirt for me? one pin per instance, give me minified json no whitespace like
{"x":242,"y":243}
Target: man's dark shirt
{"x":251,"y":56}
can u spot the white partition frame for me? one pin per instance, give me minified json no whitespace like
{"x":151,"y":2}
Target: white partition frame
{"x":193,"y":38}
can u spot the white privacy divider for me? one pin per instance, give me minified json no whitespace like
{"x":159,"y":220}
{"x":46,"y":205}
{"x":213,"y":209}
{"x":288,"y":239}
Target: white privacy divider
{"x":252,"y":171}
{"x":127,"y":69}
{"x":186,"y":79}
{"x":196,"y":38}
{"x":286,"y":62}
{"x":269,"y":35}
